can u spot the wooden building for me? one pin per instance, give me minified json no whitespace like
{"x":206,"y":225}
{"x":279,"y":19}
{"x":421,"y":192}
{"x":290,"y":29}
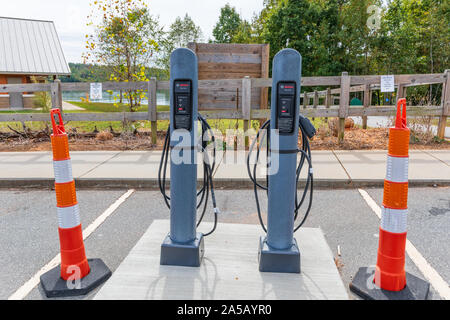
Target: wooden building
{"x":30,"y":51}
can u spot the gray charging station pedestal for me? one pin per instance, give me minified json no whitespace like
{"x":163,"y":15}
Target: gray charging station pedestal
{"x":183,"y":246}
{"x":278,"y":251}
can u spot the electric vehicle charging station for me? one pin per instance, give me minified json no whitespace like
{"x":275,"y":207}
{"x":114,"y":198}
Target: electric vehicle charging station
{"x":159,"y":282}
{"x":184,"y":246}
{"x":278,"y":251}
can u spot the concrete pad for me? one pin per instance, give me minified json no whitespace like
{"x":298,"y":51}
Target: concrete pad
{"x":424,"y":166}
{"x":138,"y":164}
{"x":29,"y":165}
{"x":229,"y":270}
{"x":325,"y":166}
{"x":443,"y":155}
{"x":363,"y":165}
{"x":26,"y":165}
{"x":134,"y":164}
{"x":235,"y":167}
{"x":84,"y":162}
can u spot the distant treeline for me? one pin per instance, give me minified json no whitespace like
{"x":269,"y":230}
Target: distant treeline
{"x":96,"y":73}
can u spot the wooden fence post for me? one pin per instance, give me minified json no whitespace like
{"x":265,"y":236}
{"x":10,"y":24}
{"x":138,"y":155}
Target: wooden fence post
{"x":152,"y":106}
{"x":315,"y":101}
{"x":305,"y":100}
{"x":56,"y":95}
{"x":328,"y":101}
{"x":367,"y":94}
{"x":445,"y":105}
{"x":264,"y":97}
{"x":246,"y":105}
{"x":343,"y":105}
{"x":401,"y":90}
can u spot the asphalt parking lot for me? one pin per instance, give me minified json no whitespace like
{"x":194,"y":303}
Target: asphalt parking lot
{"x":29,"y":238}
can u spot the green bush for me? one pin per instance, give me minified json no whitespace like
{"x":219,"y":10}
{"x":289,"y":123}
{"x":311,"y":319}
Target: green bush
{"x":43,"y":101}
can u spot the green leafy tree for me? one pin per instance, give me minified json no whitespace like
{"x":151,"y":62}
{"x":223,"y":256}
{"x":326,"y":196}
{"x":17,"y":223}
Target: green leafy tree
{"x":228,"y":25}
{"x":415,"y":38}
{"x":356,"y":37}
{"x":244,"y":33}
{"x":294,"y":24}
{"x":181,"y":32}
{"x":259,"y":20}
{"x":125,"y":40}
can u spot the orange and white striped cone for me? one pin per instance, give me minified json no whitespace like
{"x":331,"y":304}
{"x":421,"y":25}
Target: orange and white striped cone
{"x":388,"y":280}
{"x":76,"y":275}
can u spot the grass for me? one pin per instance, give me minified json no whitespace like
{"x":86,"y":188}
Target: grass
{"x":110,"y":107}
{"x":88,"y":126}
{"x":22,"y":111}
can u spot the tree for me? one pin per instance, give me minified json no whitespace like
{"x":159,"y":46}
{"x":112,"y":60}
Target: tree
{"x":415,"y":39}
{"x":259,"y":21}
{"x":125,"y":40}
{"x":294,"y":24}
{"x":356,"y":38}
{"x":181,"y":32}
{"x":228,"y":25}
{"x":244,"y":33}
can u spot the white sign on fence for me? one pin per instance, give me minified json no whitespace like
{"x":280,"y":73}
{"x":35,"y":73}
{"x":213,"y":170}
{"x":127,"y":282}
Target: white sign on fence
{"x":96,"y":91}
{"x":387,"y":83}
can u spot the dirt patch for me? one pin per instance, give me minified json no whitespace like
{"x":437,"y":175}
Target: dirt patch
{"x":138,"y":142}
{"x":355,"y":139}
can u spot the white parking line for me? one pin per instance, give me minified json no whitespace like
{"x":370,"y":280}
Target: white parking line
{"x":427,"y":270}
{"x":24,"y":290}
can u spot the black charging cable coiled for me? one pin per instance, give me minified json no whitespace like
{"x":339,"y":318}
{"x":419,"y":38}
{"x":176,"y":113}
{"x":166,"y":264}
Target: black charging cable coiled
{"x":307,"y":130}
{"x":208,"y":170}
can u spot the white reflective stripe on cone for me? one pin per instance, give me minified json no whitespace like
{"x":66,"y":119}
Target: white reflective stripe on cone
{"x":69,"y":217}
{"x":63,"y":171}
{"x":393,"y":220}
{"x":397,"y":169}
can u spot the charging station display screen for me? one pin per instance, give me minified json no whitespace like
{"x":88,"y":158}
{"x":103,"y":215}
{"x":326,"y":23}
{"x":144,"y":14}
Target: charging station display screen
{"x":286,"y":99}
{"x":183,"y":104}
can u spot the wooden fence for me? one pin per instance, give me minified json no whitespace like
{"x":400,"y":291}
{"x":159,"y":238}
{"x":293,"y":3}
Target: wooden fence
{"x":231,"y":61}
{"x":342,"y":110}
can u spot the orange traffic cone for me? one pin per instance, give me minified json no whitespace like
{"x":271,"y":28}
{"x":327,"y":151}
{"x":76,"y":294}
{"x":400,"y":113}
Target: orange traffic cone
{"x":76,"y":275}
{"x":389,"y":280}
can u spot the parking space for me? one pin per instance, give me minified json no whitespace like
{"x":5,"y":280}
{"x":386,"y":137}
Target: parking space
{"x":428,"y":224}
{"x":30,"y":240}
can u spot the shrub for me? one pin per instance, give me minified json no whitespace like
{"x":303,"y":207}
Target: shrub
{"x":43,"y":101}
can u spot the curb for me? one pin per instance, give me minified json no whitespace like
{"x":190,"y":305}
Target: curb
{"x":220,"y":183}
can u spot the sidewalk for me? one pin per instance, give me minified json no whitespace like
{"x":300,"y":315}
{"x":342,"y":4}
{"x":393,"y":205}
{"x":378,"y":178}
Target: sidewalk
{"x":139,"y":169}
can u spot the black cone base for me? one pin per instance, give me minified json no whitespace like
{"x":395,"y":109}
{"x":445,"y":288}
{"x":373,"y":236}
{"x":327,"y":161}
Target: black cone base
{"x":54,"y":286}
{"x":363,"y":286}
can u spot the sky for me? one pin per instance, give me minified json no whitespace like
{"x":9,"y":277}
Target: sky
{"x":70,"y":16}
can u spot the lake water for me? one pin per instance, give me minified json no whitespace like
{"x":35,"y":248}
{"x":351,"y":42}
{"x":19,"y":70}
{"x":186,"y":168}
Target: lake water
{"x":162,"y":97}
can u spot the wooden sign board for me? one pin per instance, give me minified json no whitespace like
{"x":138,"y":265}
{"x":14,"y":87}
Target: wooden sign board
{"x":231,"y":61}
